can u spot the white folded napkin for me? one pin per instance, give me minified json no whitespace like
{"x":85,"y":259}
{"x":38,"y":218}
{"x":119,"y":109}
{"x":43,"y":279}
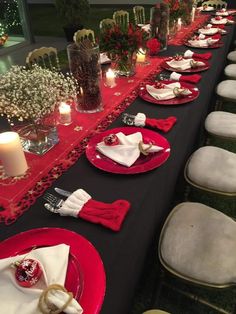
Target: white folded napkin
{"x":146,"y":27}
{"x":203,"y":42}
{"x":127,"y":152}
{"x":104,"y":58}
{"x":16,"y":299}
{"x":167,"y":92}
{"x":208,"y":8}
{"x":184,"y":64}
{"x":220,"y":22}
{"x":223,"y":12}
{"x":208,"y":31}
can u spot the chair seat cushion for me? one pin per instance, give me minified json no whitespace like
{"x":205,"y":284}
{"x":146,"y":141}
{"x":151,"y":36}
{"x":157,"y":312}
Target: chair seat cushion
{"x":227,"y":89}
{"x":199,"y":242}
{"x":232,"y":56}
{"x":213,"y":168}
{"x":221,"y":123}
{"x":230,"y":71}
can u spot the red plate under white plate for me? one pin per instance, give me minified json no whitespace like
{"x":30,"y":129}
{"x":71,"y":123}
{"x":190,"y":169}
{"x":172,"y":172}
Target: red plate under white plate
{"x":218,"y":44}
{"x":205,"y":67}
{"x":85,"y":276}
{"x":144,"y":94}
{"x":142,"y":164}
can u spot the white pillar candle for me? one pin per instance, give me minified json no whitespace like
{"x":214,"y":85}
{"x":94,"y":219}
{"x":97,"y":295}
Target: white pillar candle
{"x":141,"y":56}
{"x":110,"y":78}
{"x":12,"y":155}
{"x":65,"y":113}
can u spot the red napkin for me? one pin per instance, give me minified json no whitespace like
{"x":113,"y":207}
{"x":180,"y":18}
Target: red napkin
{"x":220,"y":26}
{"x":80,"y":204}
{"x":162,"y":124}
{"x":109,"y":215}
{"x":216,"y":36}
{"x":203,"y":56}
{"x":195,"y":78}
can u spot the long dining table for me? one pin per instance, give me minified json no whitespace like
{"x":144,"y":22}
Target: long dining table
{"x":151,"y":194}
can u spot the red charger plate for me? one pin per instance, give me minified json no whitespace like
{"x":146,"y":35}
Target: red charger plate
{"x":205,"y":67}
{"x":142,"y":164}
{"x":85,"y":273}
{"x":143,"y":93}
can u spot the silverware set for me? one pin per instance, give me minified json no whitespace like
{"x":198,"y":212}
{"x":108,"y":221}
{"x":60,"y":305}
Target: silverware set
{"x":54,"y":203}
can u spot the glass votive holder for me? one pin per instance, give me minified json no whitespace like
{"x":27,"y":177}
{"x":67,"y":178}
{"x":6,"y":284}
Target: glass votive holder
{"x":65,"y":114}
{"x":110,"y":78}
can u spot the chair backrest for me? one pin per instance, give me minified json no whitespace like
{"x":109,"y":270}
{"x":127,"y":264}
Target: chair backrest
{"x":105,"y":23}
{"x":217,"y":4}
{"x":45,"y":57}
{"x":139,"y":14}
{"x":121,"y":18}
{"x":83,"y":34}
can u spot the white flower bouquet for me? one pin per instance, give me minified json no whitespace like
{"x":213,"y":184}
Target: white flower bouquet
{"x":30,"y":94}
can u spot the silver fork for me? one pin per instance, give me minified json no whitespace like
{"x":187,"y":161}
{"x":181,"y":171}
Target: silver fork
{"x":55,"y":201}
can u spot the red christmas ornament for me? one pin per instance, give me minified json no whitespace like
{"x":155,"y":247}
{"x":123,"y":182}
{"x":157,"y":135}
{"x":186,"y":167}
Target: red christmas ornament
{"x":159,"y":85}
{"x":28,"y":272}
{"x":111,"y":140}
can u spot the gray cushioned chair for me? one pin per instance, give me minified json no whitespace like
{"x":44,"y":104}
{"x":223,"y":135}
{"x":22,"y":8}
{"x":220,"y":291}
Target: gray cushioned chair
{"x":232,"y":56}
{"x":221,"y":124}
{"x":212,"y":169}
{"x":230,"y":71}
{"x":198,"y":244}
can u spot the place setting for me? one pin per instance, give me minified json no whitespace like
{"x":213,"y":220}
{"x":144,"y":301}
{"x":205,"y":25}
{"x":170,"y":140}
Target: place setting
{"x":128,"y":150}
{"x":222,"y":20}
{"x":50,"y":268}
{"x":186,"y":64}
{"x":206,"y":8}
{"x":210,"y":30}
{"x":204,"y":42}
{"x":169,"y":92}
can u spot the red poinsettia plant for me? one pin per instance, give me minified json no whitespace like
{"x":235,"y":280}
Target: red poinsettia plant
{"x":118,"y":40}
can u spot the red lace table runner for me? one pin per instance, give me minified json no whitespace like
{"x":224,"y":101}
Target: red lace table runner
{"x":19,"y":193}
{"x":185,"y":31}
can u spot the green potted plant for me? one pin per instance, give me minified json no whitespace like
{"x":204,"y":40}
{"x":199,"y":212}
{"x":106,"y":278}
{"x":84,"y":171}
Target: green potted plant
{"x":72,"y":14}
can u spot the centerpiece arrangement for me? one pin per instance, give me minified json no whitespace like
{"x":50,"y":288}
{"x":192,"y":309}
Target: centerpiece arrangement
{"x":29,"y":98}
{"x":175,"y":13}
{"x":121,"y":43}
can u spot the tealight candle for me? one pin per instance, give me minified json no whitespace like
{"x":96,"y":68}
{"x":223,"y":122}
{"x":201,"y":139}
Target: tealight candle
{"x":110,"y":78}
{"x":65,"y":113}
{"x":12,"y":155}
{"x":141,"y":56}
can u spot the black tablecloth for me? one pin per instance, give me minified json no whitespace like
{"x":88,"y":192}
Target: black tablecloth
{"x":150,"y":193}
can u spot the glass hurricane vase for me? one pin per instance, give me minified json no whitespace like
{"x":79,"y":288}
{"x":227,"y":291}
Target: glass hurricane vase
{"x":38,"y":136}
{"x":125,"y":64}
{"x":85,"y":67}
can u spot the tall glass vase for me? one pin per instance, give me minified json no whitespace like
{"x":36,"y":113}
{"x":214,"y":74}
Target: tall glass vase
{"x":160,"y":23}
{"x":85,"y":67}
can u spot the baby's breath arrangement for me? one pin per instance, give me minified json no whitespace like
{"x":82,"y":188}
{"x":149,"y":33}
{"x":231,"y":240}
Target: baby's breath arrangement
{"x":30,"y":94}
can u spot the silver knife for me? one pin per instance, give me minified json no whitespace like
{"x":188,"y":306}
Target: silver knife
{"x":62,"y":192}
